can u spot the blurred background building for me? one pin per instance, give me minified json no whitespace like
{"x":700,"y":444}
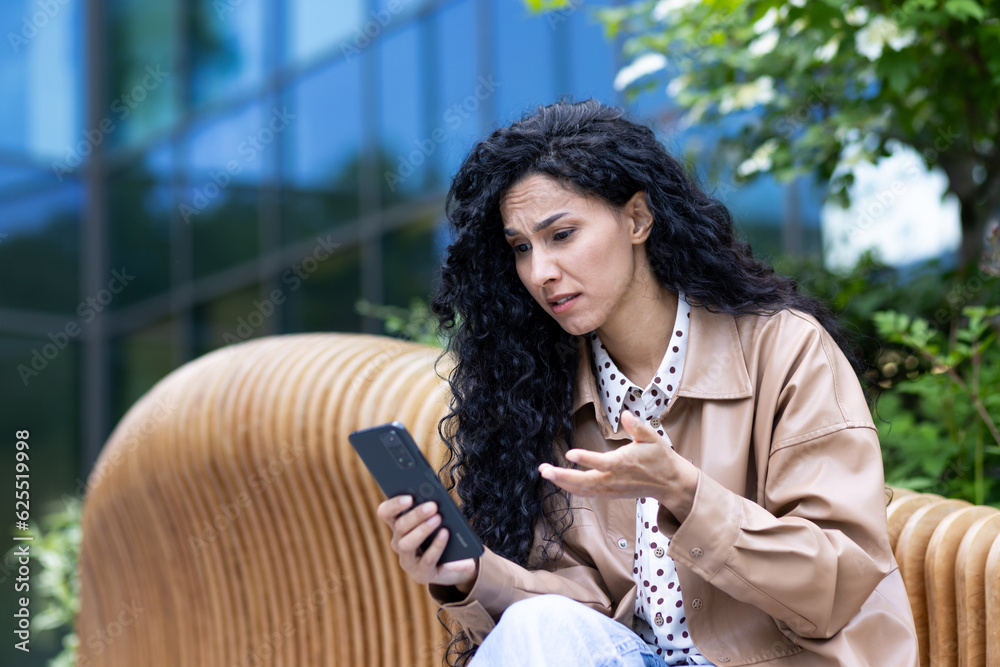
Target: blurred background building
{"x":181,"y":175}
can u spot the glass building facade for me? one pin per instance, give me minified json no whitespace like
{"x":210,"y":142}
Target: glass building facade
{"x":179,"y":175}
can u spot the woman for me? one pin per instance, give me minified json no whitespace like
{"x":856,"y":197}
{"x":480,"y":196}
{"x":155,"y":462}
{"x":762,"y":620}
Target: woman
{"x":663,"y":445}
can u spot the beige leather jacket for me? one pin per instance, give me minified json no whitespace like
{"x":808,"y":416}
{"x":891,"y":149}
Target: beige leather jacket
{"x":784,"y":558}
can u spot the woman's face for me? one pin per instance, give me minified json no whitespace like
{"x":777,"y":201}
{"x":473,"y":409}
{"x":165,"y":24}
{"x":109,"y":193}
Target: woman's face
{"x":568,"y":244}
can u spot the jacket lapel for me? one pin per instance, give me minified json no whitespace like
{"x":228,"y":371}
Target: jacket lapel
{"x":714,"y":368}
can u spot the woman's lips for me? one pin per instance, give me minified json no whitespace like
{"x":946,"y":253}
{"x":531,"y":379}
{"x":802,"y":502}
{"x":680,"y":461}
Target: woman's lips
{"x":566,"y":305}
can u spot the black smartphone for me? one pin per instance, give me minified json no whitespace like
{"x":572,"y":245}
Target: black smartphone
{"x":399,"y":467}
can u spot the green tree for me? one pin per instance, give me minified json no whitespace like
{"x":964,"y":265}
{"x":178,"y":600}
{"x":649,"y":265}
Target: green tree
{"x":824,"y":84}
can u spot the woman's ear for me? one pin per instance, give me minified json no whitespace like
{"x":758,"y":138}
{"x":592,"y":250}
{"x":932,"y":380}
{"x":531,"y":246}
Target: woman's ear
{"x":640,"y":215}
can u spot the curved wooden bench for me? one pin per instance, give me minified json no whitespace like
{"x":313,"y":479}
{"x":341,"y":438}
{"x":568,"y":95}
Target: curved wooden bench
{"x":229,"y":522}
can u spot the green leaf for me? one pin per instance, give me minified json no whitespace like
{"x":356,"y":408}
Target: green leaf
{"x":965,"y":9}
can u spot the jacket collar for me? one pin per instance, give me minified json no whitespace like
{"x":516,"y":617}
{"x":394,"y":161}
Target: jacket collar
{"x":714,"y":367}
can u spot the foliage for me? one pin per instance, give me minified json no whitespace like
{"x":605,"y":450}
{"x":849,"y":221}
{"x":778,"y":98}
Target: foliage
{"x":947,"y":415}
{"x":415,"y":323}
{"x":930,"y":350}
{"x":816,"y":87}
{"x":56,"y":548}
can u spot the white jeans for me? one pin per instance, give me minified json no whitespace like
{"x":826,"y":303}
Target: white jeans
{"x":554,"y":630}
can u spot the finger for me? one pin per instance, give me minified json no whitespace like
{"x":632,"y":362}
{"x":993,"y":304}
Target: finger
{"x":574,"y":481}
{"x":642,"y":431}
{"x":408,"y":521}
{"x":411,"y":541}
{"x":595,"y":460}
{"x":429,"y":559}
{"x":391,"y":508}
{"x":639,"y":430}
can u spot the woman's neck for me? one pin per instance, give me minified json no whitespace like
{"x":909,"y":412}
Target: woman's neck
{"x":637,"y":335}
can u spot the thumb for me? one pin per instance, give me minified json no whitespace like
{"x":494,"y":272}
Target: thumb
{"x":634,"y":426}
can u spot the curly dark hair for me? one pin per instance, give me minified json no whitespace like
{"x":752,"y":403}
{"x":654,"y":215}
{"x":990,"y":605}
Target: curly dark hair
{"x":512,"y":386}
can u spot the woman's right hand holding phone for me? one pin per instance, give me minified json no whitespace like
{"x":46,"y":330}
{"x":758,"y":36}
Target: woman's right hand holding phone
{"x":409,"y":531}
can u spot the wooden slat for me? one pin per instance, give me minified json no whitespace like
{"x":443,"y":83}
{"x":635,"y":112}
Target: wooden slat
{"x":911,"y":551}
{"x":900,"y":511}
{"x":939,"y":574}
{"x":970,"y":589}
{"x":992,"y":585}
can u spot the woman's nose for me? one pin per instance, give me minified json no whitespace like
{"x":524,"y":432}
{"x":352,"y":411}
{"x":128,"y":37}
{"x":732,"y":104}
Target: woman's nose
{"x":543,"y":268}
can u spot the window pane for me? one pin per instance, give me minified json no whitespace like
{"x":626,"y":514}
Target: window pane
{"x":591,"y":60}
{"x":41,"y":76}
{"x":237,"y":148}
{"x":403,"y":139}
{"x":16,"y":180}
{"x":138,"y":361}
{"x":324,"y":300}
{"x":234,"y":318}
{"x":39,"y":256}
{"x":318,"y":26}
{"x":227,"y":159}
{"x":525,"y":71}
{"x":410,"y":259}
{"x":140,"y":206}
{"x":226,"y":234}
{"x":461,"y":113}
{"x":322,"y":151}
{"x":141,"y":78}
{"x":227,"y":47}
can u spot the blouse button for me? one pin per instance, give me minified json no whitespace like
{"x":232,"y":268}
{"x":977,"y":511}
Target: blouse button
{"x":654,"y":422}
{"x":697,"y":604}
{"x":658,"y":619}
{"x":622,"y":543}
{"x":658,"y":552}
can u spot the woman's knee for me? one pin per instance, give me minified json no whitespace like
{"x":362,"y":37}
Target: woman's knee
{"x":540,"y":612}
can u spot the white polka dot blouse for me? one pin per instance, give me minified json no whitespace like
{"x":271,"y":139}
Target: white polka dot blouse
{"x":659,"y":609}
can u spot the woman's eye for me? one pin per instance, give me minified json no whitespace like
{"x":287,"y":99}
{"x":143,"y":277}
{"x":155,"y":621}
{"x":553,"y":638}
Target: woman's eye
{"x":560,"y":236}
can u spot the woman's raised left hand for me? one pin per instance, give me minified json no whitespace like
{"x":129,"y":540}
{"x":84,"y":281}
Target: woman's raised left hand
{"x":646,"y":467}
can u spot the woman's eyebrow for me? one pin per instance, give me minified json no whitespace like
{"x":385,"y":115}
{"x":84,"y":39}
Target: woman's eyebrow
{"x":540,"y":226}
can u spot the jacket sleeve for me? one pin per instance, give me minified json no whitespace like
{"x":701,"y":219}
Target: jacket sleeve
{"x":501,"y":582}
{"x":816,"y":548}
